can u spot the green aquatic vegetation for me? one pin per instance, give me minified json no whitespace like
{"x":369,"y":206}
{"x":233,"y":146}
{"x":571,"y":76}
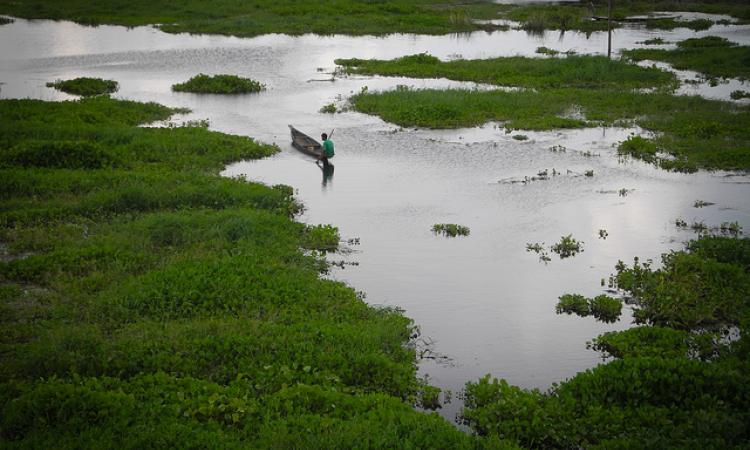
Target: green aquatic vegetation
{"x":695,"y":132}
{"x":583,"y":71}
{"x":689,"y":291}
{"x":573,"y":304}
{"x":329,"y":109}
{"x":601,"y":307}
{"x":666,"y":380}
{"x":739,"y":95}
{"x":538,"y":248}
{"x":653,"y":41}
{"x":567,"y":247}
{"x":588,"y":173}
{"x":219,"y":84}
{"x":520,"y":137}
{"x":711,"y":56}
{"x":242,"y":18}
{"x":450,"y":229}
{"x":546,"y":51}
{"x":578,"y":15}
{"x":85,"y":86}
{"x":671,"y":24}
{"x":702,"y":204}
{"x":603,"y":234}
{"x":5,"y":21}
{"x":144,"y":295}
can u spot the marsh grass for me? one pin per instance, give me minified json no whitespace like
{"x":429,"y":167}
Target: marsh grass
{"x":695,"y":132}
{"x":712,"y":56}
{"x":577,"y":15}
{"x":242,"y":18}
{"x":85,"y":86}
{"x":219,"y":84}
{"x":738,"y":95}
{"x":572,"y":71}
{"x":144,"y":295}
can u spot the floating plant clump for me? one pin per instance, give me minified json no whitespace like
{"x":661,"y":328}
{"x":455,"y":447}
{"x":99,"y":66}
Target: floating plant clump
{"x":450,"y":229}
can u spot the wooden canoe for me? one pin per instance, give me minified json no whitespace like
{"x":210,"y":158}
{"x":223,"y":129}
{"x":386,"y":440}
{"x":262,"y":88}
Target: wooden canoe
{"x":305,"y":143}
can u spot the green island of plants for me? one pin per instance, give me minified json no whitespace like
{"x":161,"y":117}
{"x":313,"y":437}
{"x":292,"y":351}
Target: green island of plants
{"x":85,"y":86}
{"x":689,"y":132}
{"x":679,"y":380}
{"x":450,"y":229}
{"x":256,"y":17}
{"x":219,"y":84}
{"x":712,"y":56}
{"x":574,"y":71}
{"x":148,"y":302}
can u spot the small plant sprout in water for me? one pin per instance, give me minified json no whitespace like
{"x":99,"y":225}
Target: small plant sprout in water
{"x":603,"y":234}
{"x":624,"y":192}
{"x":558,"y":149}
{"x":520,"y":137}
{"x":567,"y":247}
{"x":538,"y":248}
{"x":732,"y":228}
{"x":450,"y":229}
{"x":589,"y":154}
{"x":701,"y":204}
{"x":680,"y":223}
{"x":589,"y":173}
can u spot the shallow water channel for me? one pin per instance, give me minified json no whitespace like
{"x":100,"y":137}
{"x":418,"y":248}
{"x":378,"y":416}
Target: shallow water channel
{"x":483,"y":303}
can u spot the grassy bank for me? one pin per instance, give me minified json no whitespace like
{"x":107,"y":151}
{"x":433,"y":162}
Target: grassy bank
{"x":696,"y":132}
{"x":577,"y":16}
{"x":85,"y":86}
{"x":571,"y":71}
{"x":148,"y":302}
{"x":712,"y":56}
{"x":219,"y":84}
{"x":676,"y":380}
{"x":252,"y":18}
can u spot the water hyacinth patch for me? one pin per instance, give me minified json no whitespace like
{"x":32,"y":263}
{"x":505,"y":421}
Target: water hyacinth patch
{"x":219,"y":84}
{"x":450,"y":229}
{"x":85,"y":86}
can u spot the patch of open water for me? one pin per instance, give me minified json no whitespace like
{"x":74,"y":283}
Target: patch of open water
{"x":487,"y":304}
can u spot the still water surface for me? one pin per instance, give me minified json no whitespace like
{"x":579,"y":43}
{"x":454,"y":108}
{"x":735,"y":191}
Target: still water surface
{"x":482,"y":302}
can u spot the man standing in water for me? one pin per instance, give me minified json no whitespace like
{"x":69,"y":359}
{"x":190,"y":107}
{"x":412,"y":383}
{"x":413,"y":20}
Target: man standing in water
{"x":327,"y":150}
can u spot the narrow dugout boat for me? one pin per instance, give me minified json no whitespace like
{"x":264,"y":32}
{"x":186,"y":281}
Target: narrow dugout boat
{"x":305,"y":143}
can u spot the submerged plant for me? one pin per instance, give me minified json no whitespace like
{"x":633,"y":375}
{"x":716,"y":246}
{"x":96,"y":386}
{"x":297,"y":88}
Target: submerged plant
{"x":603,"y":234}
{"x":701,"y":204}
{"x":450,"y":229}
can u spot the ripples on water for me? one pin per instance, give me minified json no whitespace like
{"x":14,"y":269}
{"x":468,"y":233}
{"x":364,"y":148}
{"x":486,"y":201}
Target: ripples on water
{"x":487,"y":304}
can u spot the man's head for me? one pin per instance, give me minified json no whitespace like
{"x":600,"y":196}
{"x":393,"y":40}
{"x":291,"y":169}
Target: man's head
{"x":324,"y":136}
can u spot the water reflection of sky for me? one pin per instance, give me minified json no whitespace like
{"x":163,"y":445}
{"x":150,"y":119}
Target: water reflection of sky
{"x":485,"y":302}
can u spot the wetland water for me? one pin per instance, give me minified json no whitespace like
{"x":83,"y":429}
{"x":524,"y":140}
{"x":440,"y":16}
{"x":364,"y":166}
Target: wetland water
{"x":482,"y":301}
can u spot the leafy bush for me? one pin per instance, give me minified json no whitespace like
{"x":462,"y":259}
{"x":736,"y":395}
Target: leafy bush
{"x":219,"y":84}
{"x":573,"y":304}
{"x":85,"y":86}
{"x":602,"y":307}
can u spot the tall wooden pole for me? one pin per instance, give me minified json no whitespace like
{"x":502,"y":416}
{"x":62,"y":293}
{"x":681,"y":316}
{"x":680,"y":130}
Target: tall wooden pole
{"x":609,"y":29}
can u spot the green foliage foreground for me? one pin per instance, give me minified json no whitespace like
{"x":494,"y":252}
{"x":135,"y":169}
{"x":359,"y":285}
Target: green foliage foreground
{"x":147,"y":302}
{"x":219,"y":84}
{"x":680,"y":382}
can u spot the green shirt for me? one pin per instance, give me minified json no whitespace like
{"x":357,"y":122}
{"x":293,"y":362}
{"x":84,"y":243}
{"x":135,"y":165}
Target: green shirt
{"x":328,"y":148}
